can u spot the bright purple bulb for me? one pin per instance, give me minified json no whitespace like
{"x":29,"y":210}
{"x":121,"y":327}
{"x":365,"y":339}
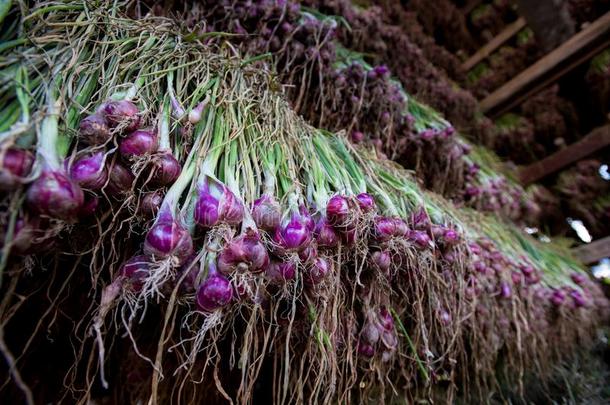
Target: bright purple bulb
{"x":385,"y":228}
{"x":451,"y":237}
{"x":293,"y":233}
{"x":317,"y":271}
{"x":505,"y":290}
{"x":266,"y":213}
{"x":280,"y":272}
{"x":166,"y":169}
{"x":420,"y":238}
{"x":338,"y":210}
{"x":124,"y":114}
{"x":516,"y":277}
{"x":16,"y":163}
{"x":168,"y":238}
{"x":138,"y":143}
{"x":54,"y":194}
{"x":93,"y":130}
{"x":89,"y":171}
{"x":557,"y":298}
{"x":214,"y":293}
{"x":366,"y":202}
{"x":578,"y":299}
{"x":217,"y":204}
{"x":135,"y":271}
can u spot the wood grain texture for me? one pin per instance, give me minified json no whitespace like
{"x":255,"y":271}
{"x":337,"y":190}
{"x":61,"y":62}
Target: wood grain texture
{"x":591,"y":143}
{"x":581,"y":47}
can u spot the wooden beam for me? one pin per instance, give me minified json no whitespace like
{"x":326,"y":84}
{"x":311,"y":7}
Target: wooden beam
{"x":581,"y":47}
{"x":507,"y":33}
{"x":594,"y":141}
{"x":594,"y":251}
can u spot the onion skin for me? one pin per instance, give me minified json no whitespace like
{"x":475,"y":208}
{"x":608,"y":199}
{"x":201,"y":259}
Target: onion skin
{"x":366,"y":350}
{"x":150,"y":204}
{"x":166,"y":169}
{"x":16,"y":164}
{"x":338,"y":210}
{"x":366,"y":202}
{"x":139,"y":143}
{"x":167,"y":238}
{"x":280,"y":273}
{"x":135,"y":271}
{"x":246,"y":253}
{"x":214,"y":293}
{"x":382,"y":261}
{"x":293,"y":233}
{"x":89,"y":171}
{"x":55,"y":195}
{"x":94,"y":130}
{"x":266,"y":213}
{"x":217,"y":204}
{"x":123,"y":113}
{"x":317,"y":272}
{"x":325,"y":234}
{"x":385,"y":228}
{"x":120,"y":179}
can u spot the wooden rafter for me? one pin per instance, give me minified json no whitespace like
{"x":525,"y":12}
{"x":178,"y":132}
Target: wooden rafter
{"x":581,"y":47}
{"x":594,"y":251}
{"x":507,"y":33}
{"x":594,"y":141}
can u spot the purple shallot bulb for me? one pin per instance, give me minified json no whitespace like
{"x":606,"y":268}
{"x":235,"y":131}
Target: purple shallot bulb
{"x":382,"y":261}
{"x":317,"y":271}
{"x":120,"y":179}
{"x":293,"y":232}
{"x":280,"y":272}
{"x":15,"y":164}
{"x":505,"y":290}
{"x":167,"y":238}
{"x":135,"y":270}
{"x":244,"y":253}
{"x":122,"y":113}
{"x":166,"y":169}
{"x":55,"y":195}
{"x":266,"y":213}
{"x":338,"y":210}
{"x":93,"y":130}
{"x":385,"y":228}
{"x":89,"y":171}
{"x":326,"y":236}
{"x":139,"y":143}
{"x":366,"y":202}
{"x":215,"y":292}
{"x":217,"y":204}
